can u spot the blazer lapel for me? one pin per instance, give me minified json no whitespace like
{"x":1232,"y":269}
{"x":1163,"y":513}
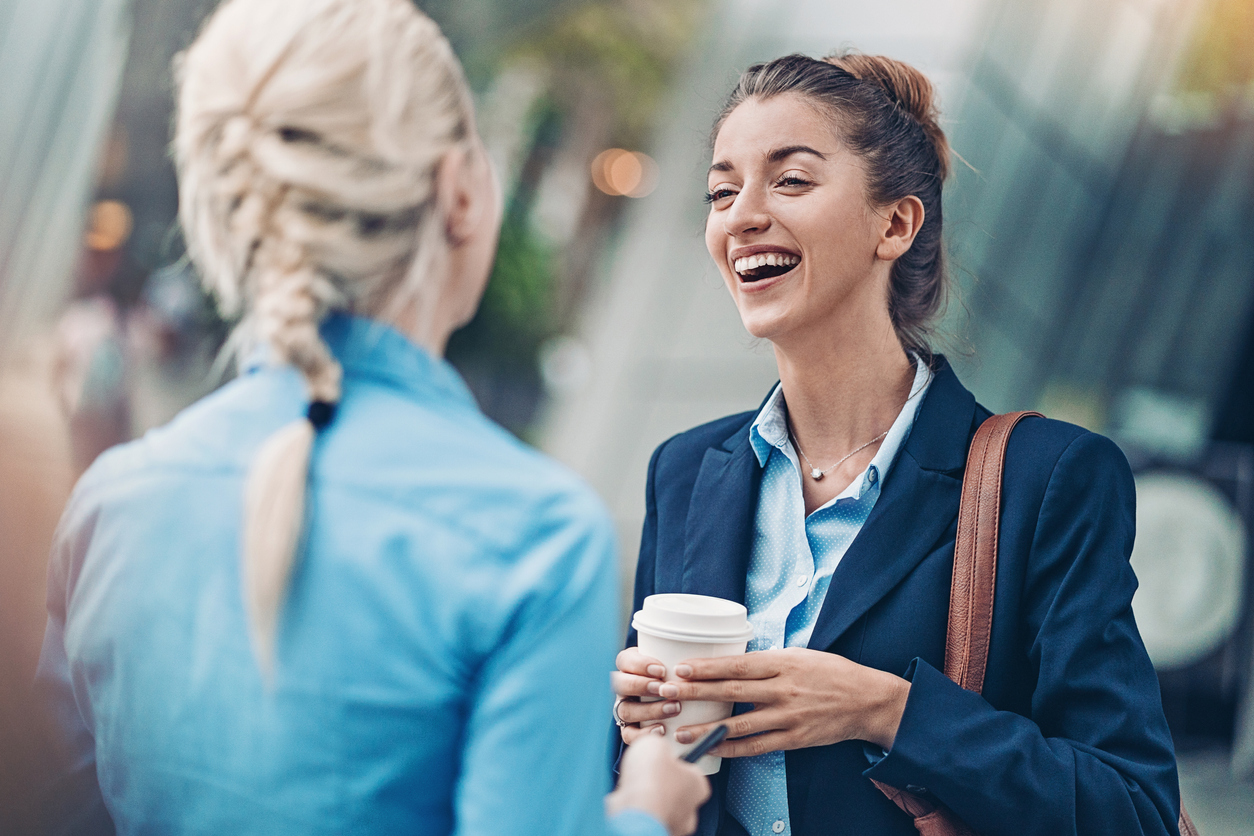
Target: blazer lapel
{"x":719,"y":534}
{"x":918,"y":505}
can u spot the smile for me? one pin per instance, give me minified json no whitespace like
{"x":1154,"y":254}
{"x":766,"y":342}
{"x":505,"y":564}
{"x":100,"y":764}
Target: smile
{"x":755,"y":268}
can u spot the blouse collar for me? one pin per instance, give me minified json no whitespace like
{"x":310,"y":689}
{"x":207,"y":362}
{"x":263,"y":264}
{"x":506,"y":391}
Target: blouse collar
{"x":770,"y":431}
{"x":371,"y":349}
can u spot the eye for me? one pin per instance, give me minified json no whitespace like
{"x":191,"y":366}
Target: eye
{"x":793,"y":181}
{"x":718,"y":193}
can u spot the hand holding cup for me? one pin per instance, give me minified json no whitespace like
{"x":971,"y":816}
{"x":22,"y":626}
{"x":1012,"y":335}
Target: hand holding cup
{"x":672,"y":628}
{"x":639,"y":676}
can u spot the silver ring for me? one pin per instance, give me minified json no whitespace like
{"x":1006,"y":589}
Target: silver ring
{"x":619,"y":720}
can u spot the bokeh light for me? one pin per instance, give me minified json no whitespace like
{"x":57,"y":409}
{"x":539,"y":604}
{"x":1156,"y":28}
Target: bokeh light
{"x":617,"y":171}
{"x":110,"y":225}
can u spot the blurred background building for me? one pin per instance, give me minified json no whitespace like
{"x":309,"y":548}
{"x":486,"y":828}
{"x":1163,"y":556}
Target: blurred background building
{"x":1099,"y":222}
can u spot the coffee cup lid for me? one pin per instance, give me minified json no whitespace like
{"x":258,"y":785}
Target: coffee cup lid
{"x":694,"y":618}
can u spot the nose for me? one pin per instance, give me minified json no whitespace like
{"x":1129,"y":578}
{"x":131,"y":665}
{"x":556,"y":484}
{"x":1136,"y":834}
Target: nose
{"x":747,"y":214}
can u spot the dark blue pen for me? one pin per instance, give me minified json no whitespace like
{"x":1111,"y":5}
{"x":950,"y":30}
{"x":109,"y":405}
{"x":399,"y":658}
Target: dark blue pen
{"x":706,"y":743}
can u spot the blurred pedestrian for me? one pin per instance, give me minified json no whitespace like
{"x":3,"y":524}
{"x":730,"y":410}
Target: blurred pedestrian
{"x":427,"y":605}
{"x":831,"y":512}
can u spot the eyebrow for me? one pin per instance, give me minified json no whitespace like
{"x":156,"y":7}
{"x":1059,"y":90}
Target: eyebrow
{"x":786,"y":152}
{"x":775,"y":156}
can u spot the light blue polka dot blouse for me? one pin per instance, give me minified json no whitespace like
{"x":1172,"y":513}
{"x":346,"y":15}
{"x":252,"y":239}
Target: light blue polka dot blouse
{"x":790,"y":569}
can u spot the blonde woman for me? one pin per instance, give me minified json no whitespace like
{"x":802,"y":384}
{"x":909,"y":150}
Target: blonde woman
{"x":333,"y":597}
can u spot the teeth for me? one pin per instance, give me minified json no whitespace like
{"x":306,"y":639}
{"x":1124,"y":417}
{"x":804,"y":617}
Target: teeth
{"x":752,"y":262}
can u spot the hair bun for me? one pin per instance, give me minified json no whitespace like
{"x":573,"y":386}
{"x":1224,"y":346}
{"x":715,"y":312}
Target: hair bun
{"x":906,"y":86}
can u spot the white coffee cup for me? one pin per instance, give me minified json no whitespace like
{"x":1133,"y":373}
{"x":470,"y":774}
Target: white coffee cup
{"x":676,"y":626}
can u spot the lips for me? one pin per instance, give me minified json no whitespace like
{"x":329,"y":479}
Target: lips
{"x":754,"y":264}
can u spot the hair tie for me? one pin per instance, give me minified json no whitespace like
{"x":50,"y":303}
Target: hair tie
{"x":320,"y":413}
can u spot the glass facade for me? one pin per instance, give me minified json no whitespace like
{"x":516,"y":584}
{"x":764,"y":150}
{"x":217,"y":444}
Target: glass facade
{"x":1101,"y":242}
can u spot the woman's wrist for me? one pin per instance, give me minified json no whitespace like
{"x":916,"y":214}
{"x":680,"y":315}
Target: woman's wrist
{"x":885,"y":709}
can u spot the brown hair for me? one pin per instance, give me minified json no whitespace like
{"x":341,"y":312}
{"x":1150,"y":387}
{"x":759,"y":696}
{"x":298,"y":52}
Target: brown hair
{"x":887,"y":116}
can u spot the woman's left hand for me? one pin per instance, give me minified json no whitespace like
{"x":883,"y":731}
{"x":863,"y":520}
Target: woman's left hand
{"x":800,"y":698}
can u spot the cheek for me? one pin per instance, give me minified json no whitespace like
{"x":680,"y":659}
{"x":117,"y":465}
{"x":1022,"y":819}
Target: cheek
{"x":716,"y":245}
{"x":843,"y":242}
{"x":713,"y":241}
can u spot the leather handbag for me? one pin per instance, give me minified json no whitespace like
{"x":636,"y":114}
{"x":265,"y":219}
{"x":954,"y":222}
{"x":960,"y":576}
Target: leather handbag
{"x":971,"y":601}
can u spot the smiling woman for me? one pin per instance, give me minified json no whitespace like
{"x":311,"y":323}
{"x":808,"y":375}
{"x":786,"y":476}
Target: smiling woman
{"x":825,"y":222}
{"x":889,"y":163}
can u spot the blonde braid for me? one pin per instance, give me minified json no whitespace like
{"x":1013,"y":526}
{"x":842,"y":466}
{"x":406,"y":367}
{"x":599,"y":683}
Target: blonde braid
{"x":308,"y":136}
{"x":288,"y":299}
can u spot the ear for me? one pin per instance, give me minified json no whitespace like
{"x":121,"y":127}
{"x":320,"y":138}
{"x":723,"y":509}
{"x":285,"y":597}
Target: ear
{"x":902,"y":222}
{"x":458,"y":195}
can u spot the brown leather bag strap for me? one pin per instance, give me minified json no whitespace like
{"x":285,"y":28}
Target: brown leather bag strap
{"x":971,"y":597}
{"x":975,"y":553}
{"x":1186,"y":824}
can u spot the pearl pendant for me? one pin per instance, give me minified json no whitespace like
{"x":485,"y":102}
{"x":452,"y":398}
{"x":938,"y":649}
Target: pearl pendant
{"x":816,"y":474}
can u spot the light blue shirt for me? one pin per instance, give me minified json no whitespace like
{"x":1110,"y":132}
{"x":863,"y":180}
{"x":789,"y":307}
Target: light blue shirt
{"x":790,"y":569}
{"x":443,"y":650}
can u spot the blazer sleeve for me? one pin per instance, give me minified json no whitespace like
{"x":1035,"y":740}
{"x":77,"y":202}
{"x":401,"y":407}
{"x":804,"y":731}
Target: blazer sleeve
{"x":646,"y":562}
{"x":1095,"y":755}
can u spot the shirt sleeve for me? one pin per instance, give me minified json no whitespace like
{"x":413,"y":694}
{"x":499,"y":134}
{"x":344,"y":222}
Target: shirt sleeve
{"x":644,"y":587}
{"x":636,"y":823}
{"x":74,"y":803}
{"x":1094,"y":756}
{"x":535,"y":753}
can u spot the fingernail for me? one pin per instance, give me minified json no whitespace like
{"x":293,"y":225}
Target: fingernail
{"x":659,"y":730}
{"x":669,"y":690}
{"x":656,"y":670}
{"x":683,"y":736}
{"x":653,"y":687}
{"x":670,"y":708}
{"x":683,"y":670}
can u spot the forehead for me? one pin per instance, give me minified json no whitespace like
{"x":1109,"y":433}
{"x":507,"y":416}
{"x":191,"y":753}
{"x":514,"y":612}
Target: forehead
{"x":758,"y":126}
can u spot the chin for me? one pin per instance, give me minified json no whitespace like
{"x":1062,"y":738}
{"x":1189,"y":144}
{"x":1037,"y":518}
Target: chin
{"x":771,"y":314}
{"x":762,"y":325}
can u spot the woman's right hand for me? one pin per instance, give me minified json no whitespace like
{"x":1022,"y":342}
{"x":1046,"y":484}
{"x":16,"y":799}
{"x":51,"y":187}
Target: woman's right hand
{"x":653,"y":780}
{"x":639,"y":676}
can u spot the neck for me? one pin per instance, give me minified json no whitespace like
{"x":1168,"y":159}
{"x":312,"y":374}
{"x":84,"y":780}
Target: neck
{"x":844,"y":386}
{"x":427,"y":319}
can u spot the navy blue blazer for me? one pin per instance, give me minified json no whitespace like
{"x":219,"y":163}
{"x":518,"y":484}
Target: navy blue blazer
{"x":1069,"y":735}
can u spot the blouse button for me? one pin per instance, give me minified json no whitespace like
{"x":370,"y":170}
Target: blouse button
{"x":778,"y":827}
{"x":801,"y":581}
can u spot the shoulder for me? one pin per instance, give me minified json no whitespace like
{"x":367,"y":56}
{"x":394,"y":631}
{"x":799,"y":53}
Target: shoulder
{"x":1066,"y":489}
{"x":138,"y":481}
{"x":1045,"y":452}
{"x":382,"y":433}
{"x":215,"y":435}
{"x":444,"y":464}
